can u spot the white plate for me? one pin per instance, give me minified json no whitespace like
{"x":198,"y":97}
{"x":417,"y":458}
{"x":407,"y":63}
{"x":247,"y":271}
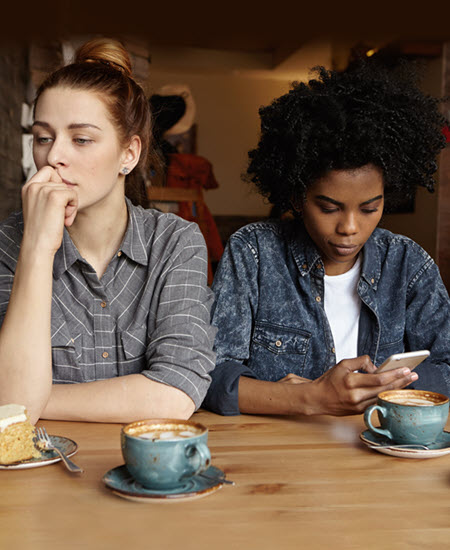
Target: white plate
{"x":439,"y":448}
{"x":66,"y":445}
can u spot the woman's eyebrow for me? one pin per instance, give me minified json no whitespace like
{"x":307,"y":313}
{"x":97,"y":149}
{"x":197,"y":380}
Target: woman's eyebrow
{"x":377,"y":198}
{"x":40,"y":123}
{"x":82,"y":125}
{"x":337,"y":203}
{"x":73,"y":126}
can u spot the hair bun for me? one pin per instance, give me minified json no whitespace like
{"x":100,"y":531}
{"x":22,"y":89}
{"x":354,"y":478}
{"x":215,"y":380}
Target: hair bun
{"x":107,"y":51}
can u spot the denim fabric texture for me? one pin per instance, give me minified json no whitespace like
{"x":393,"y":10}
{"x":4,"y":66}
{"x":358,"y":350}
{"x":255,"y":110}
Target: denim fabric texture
{"x":269,"y":295}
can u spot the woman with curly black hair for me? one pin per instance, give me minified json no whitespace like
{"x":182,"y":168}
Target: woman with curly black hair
{"x":308,"y":308}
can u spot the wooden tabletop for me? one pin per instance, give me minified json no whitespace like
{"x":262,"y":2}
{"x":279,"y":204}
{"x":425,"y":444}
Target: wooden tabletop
{"x":299,"y":483}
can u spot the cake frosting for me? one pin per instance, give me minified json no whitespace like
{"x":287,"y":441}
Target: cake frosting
{"x":11,"y":414}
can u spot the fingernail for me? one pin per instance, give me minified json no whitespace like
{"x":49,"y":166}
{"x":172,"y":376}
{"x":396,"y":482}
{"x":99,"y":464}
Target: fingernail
{"x":414,"y":376}
{"x":406,"y":371}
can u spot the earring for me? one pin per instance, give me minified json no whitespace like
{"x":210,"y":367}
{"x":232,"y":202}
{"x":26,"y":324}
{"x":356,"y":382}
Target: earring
{"x":125,"y":171}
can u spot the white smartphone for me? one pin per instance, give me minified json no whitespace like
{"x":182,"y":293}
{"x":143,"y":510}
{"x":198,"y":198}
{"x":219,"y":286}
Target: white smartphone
{"x":409,"y":360}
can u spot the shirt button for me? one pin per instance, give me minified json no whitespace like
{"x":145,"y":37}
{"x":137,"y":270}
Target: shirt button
{"x":278,"y":343}
{"x":105,"y":354}
{"x":103,"y":304}
{"x":305,"y":266}
{"x":119,"y":253}
{"x":372,"y":280}
{"x":318,"y":266}
{"x":318,"y":299}
{"x":333,"y":350}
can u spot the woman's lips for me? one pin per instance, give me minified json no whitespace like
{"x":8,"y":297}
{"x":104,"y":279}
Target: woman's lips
{"x":68,"y":183}
{"x":344,"y":249}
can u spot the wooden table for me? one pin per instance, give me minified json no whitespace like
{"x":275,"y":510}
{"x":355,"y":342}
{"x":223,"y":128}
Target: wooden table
{"x":300,"y":483}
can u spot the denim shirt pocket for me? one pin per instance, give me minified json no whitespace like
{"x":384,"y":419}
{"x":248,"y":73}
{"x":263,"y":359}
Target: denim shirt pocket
{"x":134,"y":346}
{"x":277,"y":350}
{"x":386,"y":349}
{"x":66,"y":357}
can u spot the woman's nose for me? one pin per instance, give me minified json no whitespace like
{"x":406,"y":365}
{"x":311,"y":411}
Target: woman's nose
{"x":57,"y":154}
{"x":348,"y":224}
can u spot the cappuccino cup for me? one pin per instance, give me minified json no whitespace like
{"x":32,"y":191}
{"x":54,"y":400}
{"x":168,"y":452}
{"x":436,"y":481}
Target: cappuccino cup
{"x":409,"y":416}
{"x":165,"y":453}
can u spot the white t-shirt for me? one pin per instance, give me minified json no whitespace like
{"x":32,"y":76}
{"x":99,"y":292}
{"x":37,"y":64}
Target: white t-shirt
{"x":342,"y":307}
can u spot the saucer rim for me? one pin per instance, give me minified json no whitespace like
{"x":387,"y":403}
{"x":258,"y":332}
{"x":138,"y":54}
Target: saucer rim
{"x":159,"y":495}
{"x":403,"y":453}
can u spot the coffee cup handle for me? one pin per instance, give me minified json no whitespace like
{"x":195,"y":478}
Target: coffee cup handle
{"x":367,"y":419}
{"x":199,"y":456}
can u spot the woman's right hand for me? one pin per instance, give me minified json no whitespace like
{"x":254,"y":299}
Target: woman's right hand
{"x":48,"y":205}
{"x":344,"y":389}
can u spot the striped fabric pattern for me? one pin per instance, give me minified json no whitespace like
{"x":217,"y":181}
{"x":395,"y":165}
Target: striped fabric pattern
{"x":149,"y":313}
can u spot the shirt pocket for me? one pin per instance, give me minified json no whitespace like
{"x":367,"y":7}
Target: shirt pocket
{"x":66,"y":358}
{"x":278,"y":350}
{"x":386,"y":349}
{"x":280,"y":339}
{"x":134,"y":342}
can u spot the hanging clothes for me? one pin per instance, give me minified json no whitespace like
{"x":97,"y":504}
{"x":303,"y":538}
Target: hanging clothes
{"x":195,"y":172}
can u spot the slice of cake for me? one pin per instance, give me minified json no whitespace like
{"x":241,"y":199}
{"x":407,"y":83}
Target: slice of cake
{"x":16,"y":435}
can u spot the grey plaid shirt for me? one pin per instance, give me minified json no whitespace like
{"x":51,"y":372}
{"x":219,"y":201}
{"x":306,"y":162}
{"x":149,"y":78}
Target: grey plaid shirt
{"x":148,"y":314}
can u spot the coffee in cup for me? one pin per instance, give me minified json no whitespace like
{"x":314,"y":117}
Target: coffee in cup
{"x":409,"y":416}
{"x":165,"y":453}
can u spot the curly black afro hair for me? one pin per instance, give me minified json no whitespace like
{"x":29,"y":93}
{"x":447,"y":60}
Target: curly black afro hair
{"x":369,"y":113}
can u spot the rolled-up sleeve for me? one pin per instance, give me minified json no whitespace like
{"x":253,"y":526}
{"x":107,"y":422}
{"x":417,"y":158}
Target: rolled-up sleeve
{"x":236,"y":295}
{"x":180,"y":352}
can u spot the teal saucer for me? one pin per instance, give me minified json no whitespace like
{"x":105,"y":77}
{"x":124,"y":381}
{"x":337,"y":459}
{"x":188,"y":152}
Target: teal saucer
{"x":66,"y":445}
{"x":439,"y":448}
{"x":122,"y":484}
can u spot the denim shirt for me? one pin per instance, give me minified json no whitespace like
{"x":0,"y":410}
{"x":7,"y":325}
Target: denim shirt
{"x":269,"y":309}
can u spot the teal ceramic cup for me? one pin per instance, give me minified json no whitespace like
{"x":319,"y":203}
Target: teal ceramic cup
{"x":165,"y":453}
{"x":409,"y":416}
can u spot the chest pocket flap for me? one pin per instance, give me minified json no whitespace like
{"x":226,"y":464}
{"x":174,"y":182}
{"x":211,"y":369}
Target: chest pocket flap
{"x":134,"y":341}
{"x":63,"y":342}
{"x":279,"y":339}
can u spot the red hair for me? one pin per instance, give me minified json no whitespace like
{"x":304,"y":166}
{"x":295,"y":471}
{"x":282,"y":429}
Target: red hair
{"x":103,"y":66}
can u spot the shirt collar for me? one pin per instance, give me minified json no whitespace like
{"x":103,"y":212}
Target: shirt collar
{"x":303,"y":248}
{"x":66,"y":255}
{"x":133,"y":244}
{"x":307,"y":256}
{"x":371,"y":267}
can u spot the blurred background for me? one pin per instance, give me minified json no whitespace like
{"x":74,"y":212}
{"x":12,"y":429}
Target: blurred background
{"x":226,"y":62}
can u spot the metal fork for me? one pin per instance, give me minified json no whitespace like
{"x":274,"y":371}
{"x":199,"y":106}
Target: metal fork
{"x":44,"y":438}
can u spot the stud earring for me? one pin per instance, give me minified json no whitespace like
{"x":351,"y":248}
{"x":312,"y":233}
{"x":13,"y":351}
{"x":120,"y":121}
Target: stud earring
{"x":125,"y":171}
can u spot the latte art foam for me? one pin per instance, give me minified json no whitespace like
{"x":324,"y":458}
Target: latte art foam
{"x":413,"y":402}
{"x":172,"y":435}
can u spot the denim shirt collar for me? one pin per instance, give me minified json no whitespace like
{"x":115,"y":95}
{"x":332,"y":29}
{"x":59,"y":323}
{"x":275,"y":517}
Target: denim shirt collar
{"x":371,"y":267}
{"x":307,"y":257}
{"x":304,"y":250}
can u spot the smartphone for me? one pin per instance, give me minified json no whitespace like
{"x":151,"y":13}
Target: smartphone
{"x":409,"y":359}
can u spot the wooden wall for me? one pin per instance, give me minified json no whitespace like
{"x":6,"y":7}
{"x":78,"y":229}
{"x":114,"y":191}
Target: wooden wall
{"x":13,"y":67}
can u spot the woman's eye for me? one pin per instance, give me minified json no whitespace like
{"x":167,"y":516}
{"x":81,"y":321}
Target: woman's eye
{"x":82,"y":141}
{"x":43,"y":140}
{"x":328,"y":210}
{"x":369,"y":210}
